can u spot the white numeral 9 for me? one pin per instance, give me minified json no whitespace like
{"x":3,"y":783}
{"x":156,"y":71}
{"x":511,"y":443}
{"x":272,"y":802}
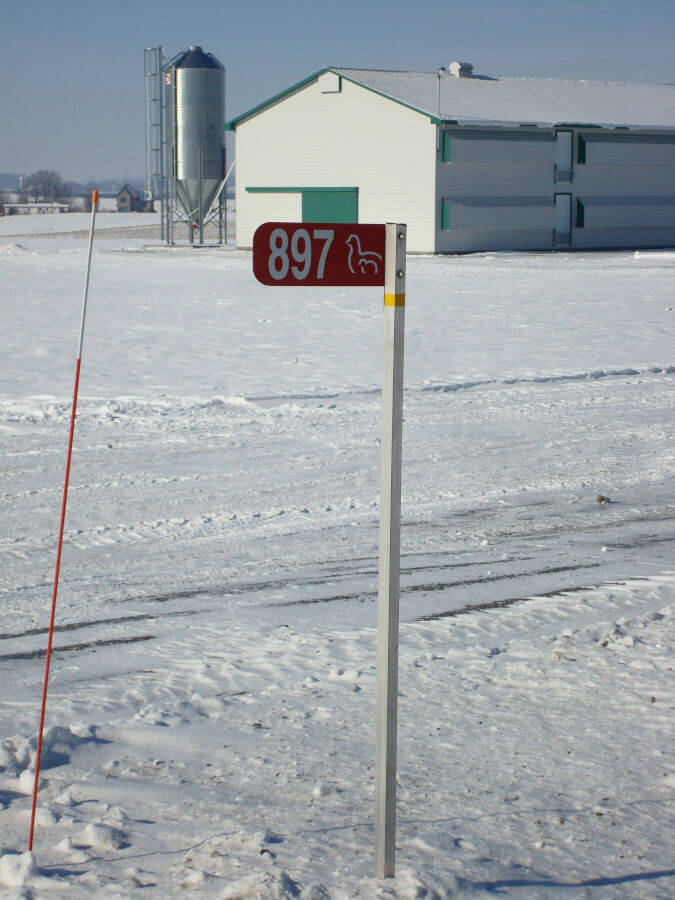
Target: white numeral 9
{"x":301,"y":256}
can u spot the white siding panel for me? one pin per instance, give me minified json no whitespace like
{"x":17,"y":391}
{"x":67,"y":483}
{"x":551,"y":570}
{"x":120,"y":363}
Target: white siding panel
{"x":353,"y":138}
{"x":275,"y":207}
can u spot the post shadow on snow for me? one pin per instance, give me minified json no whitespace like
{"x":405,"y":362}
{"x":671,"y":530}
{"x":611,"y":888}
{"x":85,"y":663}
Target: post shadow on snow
{"x":8,"y":797}
{"x":53,"y":752}
{"x":497,"y":887}
{"x":78,"y":803}
{"x":61,"y":872}
{"x":144,"y":854}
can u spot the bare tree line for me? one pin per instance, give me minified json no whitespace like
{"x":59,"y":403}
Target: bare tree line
{"x":47,"y":185}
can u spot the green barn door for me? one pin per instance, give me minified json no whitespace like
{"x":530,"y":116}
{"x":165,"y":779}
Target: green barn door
{"x":330,"y":205}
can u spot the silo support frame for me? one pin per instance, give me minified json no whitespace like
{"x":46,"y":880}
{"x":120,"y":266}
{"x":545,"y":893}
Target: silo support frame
{"x":200,"y":155}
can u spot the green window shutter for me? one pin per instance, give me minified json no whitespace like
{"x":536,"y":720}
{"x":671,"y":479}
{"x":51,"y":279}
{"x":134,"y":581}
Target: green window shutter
{"x":445,"y":215}
{"x":446,"y":146}
{"x":581,"y":150}
{"x":579,"y":218}
{"x":330,"y":205}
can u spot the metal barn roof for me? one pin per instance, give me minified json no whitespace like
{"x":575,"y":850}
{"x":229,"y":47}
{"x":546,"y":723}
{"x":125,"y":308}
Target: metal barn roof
{"x":541,"y":101}
{"x":491,"y":100}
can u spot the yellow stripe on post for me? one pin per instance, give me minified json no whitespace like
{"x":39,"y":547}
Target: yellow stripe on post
{"x":394,"y":299}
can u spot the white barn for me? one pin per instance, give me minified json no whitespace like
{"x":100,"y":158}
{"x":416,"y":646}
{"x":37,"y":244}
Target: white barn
{"x":469,"y":162}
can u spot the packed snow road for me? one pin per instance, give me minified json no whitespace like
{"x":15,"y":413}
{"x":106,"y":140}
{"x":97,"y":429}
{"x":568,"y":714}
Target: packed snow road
{"x":220,"y":565}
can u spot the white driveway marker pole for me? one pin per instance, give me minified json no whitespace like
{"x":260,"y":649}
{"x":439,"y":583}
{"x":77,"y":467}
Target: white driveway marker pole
{"x":94,"y":204}
{"x":390,"y":545}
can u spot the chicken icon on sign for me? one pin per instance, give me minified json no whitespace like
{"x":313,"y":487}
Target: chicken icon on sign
{"x":361,"y":261}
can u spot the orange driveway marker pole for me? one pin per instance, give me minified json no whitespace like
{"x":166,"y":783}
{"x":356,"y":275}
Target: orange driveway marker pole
{"x":94,"y":205}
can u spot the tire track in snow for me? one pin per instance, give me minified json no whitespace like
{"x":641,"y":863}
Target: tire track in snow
{"x":39,"y":654}
{"x":175,"y":528}
{"x":508,"y":601}
{"x":221,"y":590}
{"x":443,"y":585}
{"x":580,"y":529}
{"x":592,"y":375}
{"x":75,"y":626}
{"x":215,"y":524}
{"x":462,"y":565}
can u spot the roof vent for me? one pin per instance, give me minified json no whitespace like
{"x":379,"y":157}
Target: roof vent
{"x":460,"y":70}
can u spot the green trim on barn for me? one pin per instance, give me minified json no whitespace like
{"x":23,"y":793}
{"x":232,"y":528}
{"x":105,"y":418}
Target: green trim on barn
{"x":232,"y":124}
{"x":445,"y":215}
{"x":580,"y":217}
{"x":446,"y":147}
{"x":433,"y":119}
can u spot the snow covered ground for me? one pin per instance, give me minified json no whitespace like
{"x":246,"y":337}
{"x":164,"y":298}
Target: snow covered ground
{"x":211,"y":710}
{"x":60,"y":223}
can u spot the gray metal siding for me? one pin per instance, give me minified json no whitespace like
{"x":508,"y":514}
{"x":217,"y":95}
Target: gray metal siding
{"x":623,"y":212}
{"x":627,"y":186}
{"x":516,"y":148}
{"x":499,"y":213}
{"x":616,"y":149}
{"x":498,"y":189}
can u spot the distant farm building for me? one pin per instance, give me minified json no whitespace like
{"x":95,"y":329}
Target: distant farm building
{"x":11,"y":208}
{"x":129,"y":201}
{"x":469,"y":162}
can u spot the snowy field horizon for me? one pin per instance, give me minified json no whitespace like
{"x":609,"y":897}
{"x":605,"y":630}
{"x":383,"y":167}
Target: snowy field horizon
{"x":211,"y":714}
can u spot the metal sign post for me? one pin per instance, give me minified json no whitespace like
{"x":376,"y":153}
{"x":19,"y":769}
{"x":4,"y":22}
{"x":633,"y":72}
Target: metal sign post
{"x":390,"y":546}
{"x":338,"y":254}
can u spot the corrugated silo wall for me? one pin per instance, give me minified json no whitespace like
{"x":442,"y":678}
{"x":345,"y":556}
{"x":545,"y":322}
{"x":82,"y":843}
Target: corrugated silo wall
{"x":496,"y":189}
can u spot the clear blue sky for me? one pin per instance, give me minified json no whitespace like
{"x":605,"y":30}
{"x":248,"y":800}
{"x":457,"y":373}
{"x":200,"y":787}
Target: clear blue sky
{"x":71,"y":71}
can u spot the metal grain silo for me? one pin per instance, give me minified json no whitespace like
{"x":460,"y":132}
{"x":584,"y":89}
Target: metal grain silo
{"x":195,"y":112}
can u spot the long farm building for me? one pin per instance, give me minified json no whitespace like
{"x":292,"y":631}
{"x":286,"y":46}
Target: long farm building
{"x":470,"y":162}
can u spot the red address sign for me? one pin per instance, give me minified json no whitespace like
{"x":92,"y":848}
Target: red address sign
{"x":319,"y":253}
